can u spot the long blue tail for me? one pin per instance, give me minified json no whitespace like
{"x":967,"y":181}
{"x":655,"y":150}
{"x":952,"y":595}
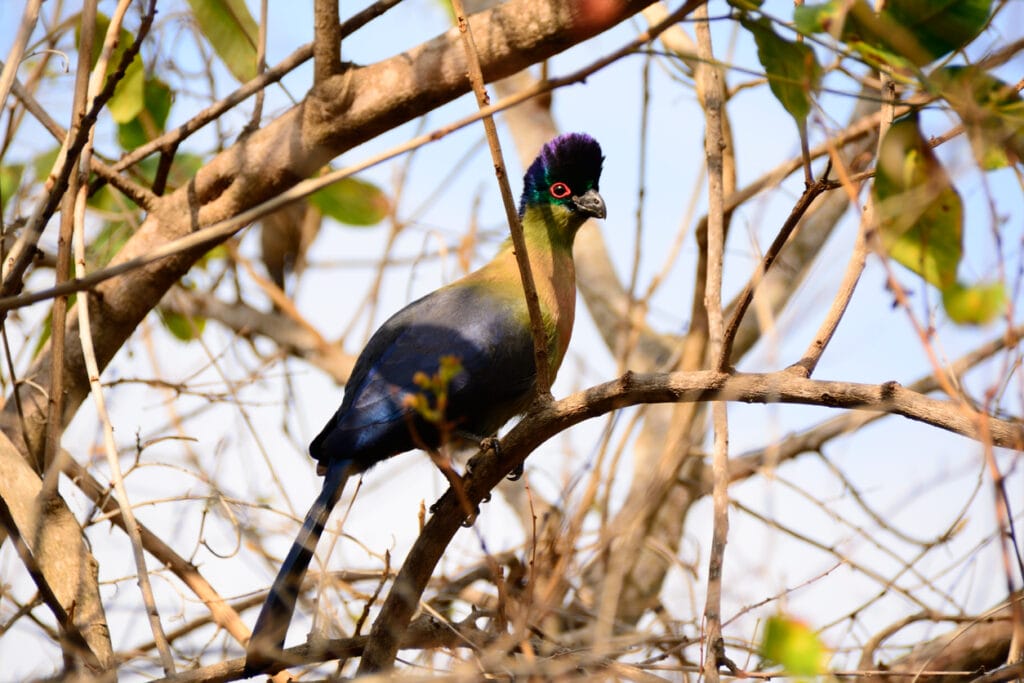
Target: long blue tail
{"x":272,"y":625}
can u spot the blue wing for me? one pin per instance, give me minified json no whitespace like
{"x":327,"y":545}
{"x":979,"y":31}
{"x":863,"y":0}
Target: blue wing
{"x":488,"y":336}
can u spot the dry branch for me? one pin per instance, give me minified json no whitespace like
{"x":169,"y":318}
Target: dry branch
{"x":627,"y":390}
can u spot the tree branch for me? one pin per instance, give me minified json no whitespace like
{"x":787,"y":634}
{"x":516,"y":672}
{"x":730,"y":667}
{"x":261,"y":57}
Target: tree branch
{"x":326,"y":40}
{"x":634,"y":389}
{"x":348,"y":109}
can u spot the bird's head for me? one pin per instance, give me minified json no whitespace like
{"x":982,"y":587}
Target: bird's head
{"x":564,"y":179}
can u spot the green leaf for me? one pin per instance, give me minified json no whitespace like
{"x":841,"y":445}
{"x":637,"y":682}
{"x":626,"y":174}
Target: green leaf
{"x":232,"y":33}
{"x":793,"y":70}
{"x":919,"y":210}
{"x":352,"y":201}
{"x":828,"y":17}
{"x":42,"y":164}
{"x":129,"y":96}
{"x":149,"y":121}
{"x":857,"y":25}
{"x":911,"y":32}
{"x":882,"y":59}
{"x":974,"y":305}
{"x":47,"y":331}
{"x":794,"y":645}
{"x":10,"y":181}
{"x":992,"y":112}
{"x":111,"y":204}
{"x":183,"y":169}
{"x":938,"y":27}
{"x":184,"y":328}
{"x":111,"y":238}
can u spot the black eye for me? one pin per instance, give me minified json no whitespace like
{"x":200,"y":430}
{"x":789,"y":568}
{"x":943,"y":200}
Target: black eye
{"x":559,"y":190}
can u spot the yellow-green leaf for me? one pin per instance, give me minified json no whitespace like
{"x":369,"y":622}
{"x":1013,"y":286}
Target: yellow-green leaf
{"x":745,"y":5}
{"x":974,"y":305}
{"x":827,"y":17}
{"x":794,"y":645}
{"x":882,"y":59}
{"x":919,"y":211}
{"x":129,"y":96}
{"x":10,"y":181}
{"x":992,"y":112}
{"x":915,"y":32}
{"x":793,"y":70}
{"x":42,"y":163}
{"x":184,"y":328}
{"x":149,"y":121}
{"x":352,"y":201}
{"x":231,"y":31}
{"x":111,"y":238}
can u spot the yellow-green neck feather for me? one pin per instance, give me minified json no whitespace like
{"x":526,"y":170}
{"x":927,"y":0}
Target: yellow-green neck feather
{"x":548,"y":231}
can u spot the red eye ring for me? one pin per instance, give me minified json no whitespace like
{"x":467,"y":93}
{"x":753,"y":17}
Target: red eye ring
{"x":559,"y":190}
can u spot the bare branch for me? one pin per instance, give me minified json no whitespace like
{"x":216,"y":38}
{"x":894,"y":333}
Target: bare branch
{"x":709,"y":84}
{"x":326,"y":40}
{"x":633,"y":389}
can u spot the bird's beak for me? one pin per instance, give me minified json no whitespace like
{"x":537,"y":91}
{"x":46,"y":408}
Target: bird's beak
{"x":591,"y":203}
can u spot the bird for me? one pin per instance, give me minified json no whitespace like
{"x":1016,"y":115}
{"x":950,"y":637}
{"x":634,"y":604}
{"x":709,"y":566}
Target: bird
{"x":482,"y":322}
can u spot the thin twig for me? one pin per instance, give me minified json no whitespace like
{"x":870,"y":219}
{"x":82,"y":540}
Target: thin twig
{"x":261,"y":66}
{"x":10,"y":69}
{"x":222,"y":613}
{"x":635,"y":389}
{"x":743,"y":301}
{"x":476,"y":78}
{"x":709,"y":85}
{"x":92,"y":367}
{"x":815,"y":437}
{"x":51,"y":457}
{"x":121,"y":494}
{"x":137,"y":193}
{"x":854,"y":268}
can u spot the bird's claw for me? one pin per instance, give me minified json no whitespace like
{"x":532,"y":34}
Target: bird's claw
{"x":517,"y":473}
{"x":469,"y":520}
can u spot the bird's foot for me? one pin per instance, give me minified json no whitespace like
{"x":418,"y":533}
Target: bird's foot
{"x":470,"y":518}
{"x":493,"y":444}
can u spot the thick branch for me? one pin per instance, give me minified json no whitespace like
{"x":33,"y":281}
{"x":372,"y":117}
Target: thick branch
{"x":326,"y":41}
{"x":345,"y":110}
